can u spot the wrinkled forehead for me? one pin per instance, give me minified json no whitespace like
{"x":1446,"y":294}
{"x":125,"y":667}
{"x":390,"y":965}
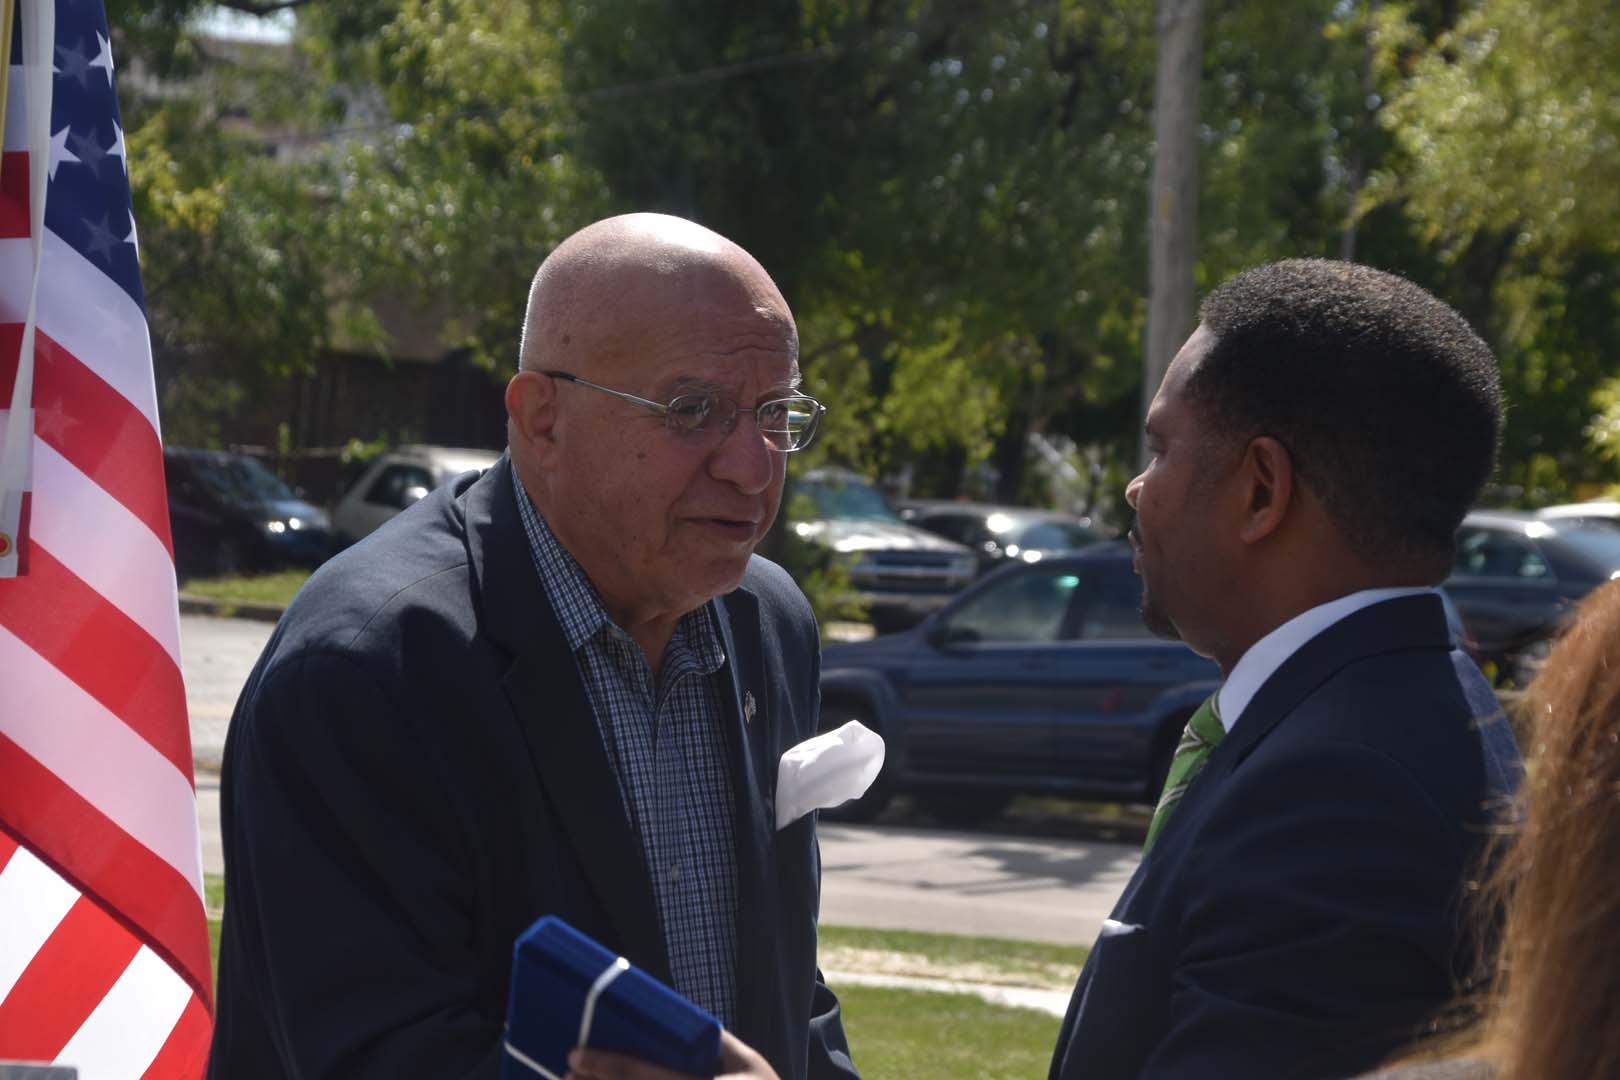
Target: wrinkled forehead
{"x":662,"y":291}
{"x":702,"y":317}
{"x":649,"y":293}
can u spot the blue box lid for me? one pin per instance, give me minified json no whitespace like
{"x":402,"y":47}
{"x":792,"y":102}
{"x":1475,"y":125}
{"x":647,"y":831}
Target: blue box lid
{"x":557,"y":972}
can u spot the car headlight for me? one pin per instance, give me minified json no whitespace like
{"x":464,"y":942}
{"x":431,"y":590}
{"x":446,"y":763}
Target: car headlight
{"x":275,"y":528}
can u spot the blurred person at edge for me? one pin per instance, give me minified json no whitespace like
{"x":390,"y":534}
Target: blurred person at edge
{"x":1313,"y":448}
{"x":559,"y":687}
{"x":1553,"y":1012}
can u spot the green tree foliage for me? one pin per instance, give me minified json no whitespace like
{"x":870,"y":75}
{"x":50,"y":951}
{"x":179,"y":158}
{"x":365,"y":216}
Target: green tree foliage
{"x":459,"y":179}
{"x":910,"y":173}
{"x":1506,"y":163}
{"x":233,"y":233}
{"x":951,"y":194}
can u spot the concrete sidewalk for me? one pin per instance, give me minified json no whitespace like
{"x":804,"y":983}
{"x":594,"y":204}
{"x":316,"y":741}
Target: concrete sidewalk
{"x":1051,"y":1002}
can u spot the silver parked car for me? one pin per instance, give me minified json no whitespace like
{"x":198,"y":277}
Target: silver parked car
{"x":900,"y":571}
{"x":396,"y":479}
{"x":1604,"y":513}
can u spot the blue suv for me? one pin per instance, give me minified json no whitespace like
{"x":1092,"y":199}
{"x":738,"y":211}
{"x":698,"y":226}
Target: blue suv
{"x":1039,"y":678}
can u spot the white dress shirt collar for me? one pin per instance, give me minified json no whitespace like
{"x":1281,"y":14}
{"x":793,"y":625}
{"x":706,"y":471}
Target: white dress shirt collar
{"x":1267,"y":655}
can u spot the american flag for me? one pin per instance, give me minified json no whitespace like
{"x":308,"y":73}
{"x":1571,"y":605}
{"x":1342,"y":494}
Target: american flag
{"x":103,"y":939}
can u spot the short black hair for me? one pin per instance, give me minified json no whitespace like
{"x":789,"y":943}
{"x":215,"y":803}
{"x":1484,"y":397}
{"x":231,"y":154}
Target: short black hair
{"x":1388,"y":402}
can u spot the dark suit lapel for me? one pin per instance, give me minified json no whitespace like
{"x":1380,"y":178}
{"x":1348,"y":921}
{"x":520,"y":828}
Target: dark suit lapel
{"x":1407,"y":622}
{"x":1391,"y":625}
{"x":754,"y":780}
{"x":554,"y":715}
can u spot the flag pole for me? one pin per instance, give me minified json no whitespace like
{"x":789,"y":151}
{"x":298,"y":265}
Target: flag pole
{"x":13,"y":434}
{"x":16,"y":442}
{"x":8,"y":16}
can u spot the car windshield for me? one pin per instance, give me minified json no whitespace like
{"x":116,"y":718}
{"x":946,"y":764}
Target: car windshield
{"x":1052,"y":535}
{"x":848,"y":499}
{"x":1594,"y":545}
{"x":241,"y":479}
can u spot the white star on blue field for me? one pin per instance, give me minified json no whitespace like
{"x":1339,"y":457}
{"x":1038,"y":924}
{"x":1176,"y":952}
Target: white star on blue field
{"x":89,"y":178}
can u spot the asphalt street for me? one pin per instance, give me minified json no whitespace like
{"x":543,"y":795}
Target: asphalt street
{"x":1030,"y":888}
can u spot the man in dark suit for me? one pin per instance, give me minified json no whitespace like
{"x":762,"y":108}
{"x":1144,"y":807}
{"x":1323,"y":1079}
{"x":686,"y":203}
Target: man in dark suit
{"x":560,"y":687}
{"x":1313,"y":447}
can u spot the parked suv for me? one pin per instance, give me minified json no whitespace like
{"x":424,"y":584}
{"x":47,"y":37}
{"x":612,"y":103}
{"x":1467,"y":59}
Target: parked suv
{"x":229,"y":515}
{"x":1518,"y":577}
{"x":900,"y":571}
{"x":999,"y":533}
{"x":396,"y":479}
{"x":1040,"y":678}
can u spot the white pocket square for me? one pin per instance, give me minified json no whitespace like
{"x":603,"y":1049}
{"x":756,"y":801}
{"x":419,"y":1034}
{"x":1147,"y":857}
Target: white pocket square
{"x":1115,"y":928}
{"x":827,"y":771}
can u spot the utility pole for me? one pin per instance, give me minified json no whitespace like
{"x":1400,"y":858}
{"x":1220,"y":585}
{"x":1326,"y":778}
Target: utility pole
{"x":1364,"y":123}
{"x":1173,"y":211}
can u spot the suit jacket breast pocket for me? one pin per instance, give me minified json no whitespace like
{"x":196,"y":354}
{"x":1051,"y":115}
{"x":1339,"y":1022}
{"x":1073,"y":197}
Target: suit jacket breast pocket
{"x":1123,"y":1012}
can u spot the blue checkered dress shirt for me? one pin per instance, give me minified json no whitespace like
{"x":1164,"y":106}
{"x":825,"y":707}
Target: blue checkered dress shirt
{"x":668,"y":750}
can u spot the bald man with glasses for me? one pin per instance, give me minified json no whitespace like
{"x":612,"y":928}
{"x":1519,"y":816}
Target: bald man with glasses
{"x":559,"y":687}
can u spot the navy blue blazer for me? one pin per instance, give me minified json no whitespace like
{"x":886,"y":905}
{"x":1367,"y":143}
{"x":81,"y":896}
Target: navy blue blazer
{"x":1299,"y":914}
{"x":413,"y":775}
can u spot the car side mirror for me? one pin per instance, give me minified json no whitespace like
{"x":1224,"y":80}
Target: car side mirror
{"x":944,"y":635}
{"x":413,"y":494}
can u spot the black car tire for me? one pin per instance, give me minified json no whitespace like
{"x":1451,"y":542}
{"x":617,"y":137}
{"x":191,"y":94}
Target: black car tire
{"x":834,"y":715}
{"x":963,"y":808}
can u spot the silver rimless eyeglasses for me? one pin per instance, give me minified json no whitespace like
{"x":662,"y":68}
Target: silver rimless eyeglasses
{"x":785,"y":423}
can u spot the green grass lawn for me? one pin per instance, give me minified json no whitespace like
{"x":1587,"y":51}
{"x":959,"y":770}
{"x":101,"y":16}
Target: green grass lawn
{"x":908,"y":1035}
{"x":947,"y":956}
{"x":214,"y":899}
{"x":276,"y":588}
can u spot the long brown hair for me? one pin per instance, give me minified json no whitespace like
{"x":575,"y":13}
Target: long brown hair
{"x":1554,"y":1010}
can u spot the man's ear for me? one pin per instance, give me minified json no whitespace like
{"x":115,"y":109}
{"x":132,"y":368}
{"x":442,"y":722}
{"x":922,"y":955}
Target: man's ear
{"x":531,"y":412}
{"x":1268,"y":472}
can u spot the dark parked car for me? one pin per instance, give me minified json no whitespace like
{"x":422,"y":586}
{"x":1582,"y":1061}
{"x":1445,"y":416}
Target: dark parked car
{"x":230,"y":514}
{"x":1516,"y":578}
{"x":999,"y":533}
{"x":900,"y":571}
{"x":1039,"y":678}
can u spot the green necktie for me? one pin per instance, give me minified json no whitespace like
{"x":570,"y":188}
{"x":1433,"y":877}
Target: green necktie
{"x":1203,"y":732}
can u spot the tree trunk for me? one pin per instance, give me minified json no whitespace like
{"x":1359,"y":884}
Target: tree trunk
{"x":1010,"y":453}
{"x":1173,"y":211}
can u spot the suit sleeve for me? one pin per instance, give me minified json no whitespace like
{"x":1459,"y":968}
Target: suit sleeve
{"x":829,"y":1049}
{"x":829,"y":1056}
{"x":1323,"y":928}
{"x":349,"y":883}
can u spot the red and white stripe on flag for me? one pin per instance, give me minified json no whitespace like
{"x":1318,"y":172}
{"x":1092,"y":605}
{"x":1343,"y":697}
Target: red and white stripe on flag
{"x":103,"y":937}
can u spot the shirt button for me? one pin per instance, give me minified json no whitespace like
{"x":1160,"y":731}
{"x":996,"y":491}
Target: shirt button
{"x":675,"y":874}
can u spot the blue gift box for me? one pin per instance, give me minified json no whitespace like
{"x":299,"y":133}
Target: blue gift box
{"x":568,"y":991}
